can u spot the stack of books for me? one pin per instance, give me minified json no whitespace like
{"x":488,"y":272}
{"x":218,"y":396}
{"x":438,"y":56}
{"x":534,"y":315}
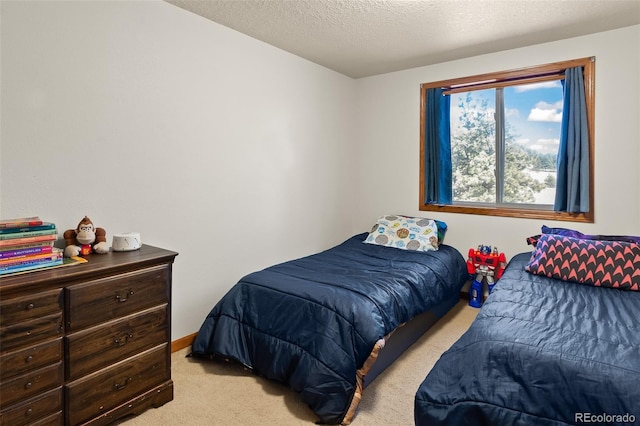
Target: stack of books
{"x":27,"y":244}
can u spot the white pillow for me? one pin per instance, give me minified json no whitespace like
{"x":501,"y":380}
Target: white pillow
{"x":404,"y":232}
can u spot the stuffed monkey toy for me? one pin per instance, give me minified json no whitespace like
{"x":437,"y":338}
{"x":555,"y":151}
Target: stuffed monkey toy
{"x":85,"y":239}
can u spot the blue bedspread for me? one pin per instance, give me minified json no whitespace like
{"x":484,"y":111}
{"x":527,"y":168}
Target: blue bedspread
{"x":541,"y":352}
{"x":312,"y":322}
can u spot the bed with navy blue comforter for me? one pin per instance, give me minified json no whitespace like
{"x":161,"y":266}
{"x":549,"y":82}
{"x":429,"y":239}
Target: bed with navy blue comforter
{"x":313,"y":322}
{"x":542,"y":351}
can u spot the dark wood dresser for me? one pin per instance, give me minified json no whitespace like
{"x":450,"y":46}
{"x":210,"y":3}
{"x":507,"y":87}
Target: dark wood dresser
{"x":89,"y":343}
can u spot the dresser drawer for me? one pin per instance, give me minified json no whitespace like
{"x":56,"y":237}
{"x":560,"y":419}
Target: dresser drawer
{"x":19,"y":309}
{"x":106,"y":389}
{"x":31,"y":332}
{"x":30,"y":384}
{"x":21,"y":361}
{"x":97,"y":347}
{"x":56,"y":419}
{"x":36,"y":409}
{"x":102,"y":300}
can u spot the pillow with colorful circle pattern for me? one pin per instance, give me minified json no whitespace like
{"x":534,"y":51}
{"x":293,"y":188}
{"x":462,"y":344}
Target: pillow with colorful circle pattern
{"x":404,"y":232}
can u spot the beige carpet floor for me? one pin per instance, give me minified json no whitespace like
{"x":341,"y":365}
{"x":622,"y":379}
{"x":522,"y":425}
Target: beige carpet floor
{"x":216,"y":393}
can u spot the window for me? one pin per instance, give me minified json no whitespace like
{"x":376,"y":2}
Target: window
{"x":502,"y":134}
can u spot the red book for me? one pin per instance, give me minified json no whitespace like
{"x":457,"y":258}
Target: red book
{"x":19,"y":229}
{"x":21,"y":222}
{"x":25,"y":240}
{"x":31,"y":259}
{"x":4,"y":248}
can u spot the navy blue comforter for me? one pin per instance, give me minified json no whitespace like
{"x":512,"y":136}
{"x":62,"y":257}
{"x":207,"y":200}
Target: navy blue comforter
{"x":312,"y":322}
{"x":541,"y":352}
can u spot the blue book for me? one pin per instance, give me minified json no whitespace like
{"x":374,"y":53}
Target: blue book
{"x":26,"y":234}
{"x":30,"y":266}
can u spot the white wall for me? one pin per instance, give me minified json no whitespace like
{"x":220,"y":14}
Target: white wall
{"x":148,"y":118}
{"x":388,"y":134}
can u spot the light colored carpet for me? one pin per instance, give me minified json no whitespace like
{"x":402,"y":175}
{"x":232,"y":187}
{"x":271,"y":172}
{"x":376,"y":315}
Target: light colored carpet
{"x":216,"y":393}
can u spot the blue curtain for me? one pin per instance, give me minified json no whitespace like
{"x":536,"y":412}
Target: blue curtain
{"x":437,"y":148}
{"x":572,"y":183}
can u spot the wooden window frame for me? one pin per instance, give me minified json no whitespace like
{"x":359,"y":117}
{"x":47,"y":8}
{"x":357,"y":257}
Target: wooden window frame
{"x":500,"y":79}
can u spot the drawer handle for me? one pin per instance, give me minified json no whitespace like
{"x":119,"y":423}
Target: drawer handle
{"x":28,"y":385}
{"x":124,"y":384}
{"x":121,"y":341}
{"x":30,"y":306}
{"x":123,"y":297}
{"x":29,"y":358}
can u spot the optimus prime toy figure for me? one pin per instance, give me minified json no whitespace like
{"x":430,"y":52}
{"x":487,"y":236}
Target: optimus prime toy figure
{"x":484,"y":263}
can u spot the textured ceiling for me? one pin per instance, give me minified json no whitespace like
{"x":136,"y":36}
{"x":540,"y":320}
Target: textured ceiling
{"x":360,"y":38}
